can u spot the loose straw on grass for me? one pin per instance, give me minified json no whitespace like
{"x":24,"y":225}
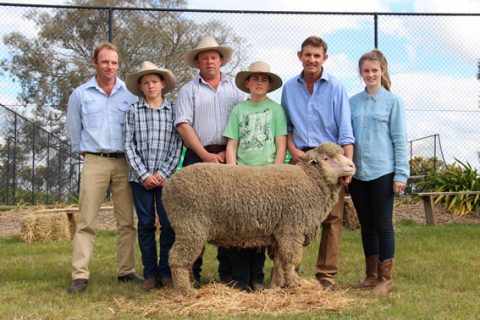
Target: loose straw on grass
{"x":216,"y":298}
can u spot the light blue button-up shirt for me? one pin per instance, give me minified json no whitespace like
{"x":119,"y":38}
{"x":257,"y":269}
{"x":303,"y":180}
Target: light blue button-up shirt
{"x":323,"y":116}
{"x":95,"y":120}
{"x":381,"y":136}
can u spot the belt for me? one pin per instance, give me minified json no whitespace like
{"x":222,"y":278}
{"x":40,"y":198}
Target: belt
{"x":215,"y":148}
{"x":307,"y":149}
{"x":112,"y":155}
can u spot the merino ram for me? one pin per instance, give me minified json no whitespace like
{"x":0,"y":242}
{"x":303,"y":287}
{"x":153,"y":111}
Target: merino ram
{"x":281,"y":206}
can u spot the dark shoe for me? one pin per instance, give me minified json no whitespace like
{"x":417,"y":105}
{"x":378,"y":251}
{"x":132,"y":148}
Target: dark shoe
{"x":257,"y":287}
{"x":149,"y":284}
{"x":166,"y":282}
{"x":77,"y":285}
{"x":196,"y":284}
{"x":327,"y":284}
{"x":131,"y":277}
{"x":237,"y":285}
{"x":225,"y":279}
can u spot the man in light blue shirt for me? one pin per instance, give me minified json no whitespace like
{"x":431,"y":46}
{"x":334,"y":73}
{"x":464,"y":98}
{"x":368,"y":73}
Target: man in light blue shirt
{"x":95,"y":119}
{"x":318,"y":111}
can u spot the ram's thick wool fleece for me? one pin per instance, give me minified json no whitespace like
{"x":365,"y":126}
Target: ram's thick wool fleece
{"x":281,"y":206}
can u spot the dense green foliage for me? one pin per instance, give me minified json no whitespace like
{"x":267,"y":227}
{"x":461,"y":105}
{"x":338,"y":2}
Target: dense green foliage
{"x":457,"y":177}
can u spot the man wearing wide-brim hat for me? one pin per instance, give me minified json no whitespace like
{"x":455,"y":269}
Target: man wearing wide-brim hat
{"x":153,"y":148}
{"x":203,"y":108}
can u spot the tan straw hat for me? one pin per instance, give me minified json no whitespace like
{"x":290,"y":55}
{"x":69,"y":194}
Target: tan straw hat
{"x":257,"y":67}
{"x":207,"y":44}
{"x":149,"y":68}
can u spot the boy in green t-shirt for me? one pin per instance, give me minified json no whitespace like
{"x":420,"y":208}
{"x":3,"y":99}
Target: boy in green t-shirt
{"x":257,"y":136}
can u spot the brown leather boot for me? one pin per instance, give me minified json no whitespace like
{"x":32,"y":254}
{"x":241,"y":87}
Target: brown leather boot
{"x":385,"y":284}
{"x":371,"y":267}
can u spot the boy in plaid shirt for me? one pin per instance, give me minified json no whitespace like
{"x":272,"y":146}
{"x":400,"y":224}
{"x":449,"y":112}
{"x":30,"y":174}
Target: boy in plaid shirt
{"x":153,"y":149}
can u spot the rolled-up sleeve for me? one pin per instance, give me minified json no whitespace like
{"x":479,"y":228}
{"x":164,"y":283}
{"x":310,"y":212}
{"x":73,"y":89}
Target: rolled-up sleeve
{"x":344,"y":119}
{"x":184,"y":105}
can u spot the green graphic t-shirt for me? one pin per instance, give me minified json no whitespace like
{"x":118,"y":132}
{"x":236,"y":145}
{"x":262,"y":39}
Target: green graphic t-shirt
{"x":254,"y":127}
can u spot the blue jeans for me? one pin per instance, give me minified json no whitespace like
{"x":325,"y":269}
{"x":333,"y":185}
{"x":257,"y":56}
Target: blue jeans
{"x":223,"y":257}
{"x":145,"y":203}
{"x":373,"y":201}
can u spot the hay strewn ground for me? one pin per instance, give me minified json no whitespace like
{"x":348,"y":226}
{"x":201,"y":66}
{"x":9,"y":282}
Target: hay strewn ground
{"x":219,"y":299}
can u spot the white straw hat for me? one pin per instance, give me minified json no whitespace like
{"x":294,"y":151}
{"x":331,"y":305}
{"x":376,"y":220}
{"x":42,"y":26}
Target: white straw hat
{"x":258,"y":67}
{"x":149,"y":68}
{"x":207,"y":44}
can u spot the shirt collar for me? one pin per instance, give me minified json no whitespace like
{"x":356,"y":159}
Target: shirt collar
{"x":380,"y":92}
{"x":325,"y":76}
{"x":200,"y":79}
{"x":142,"y":103}
{"x":92,"y":83}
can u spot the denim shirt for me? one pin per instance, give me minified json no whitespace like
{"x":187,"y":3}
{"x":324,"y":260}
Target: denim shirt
{"x":95,"y":120}
{"x":381,"y":137}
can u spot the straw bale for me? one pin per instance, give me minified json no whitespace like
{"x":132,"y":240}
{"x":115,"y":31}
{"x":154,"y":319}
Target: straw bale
{"x":60,"y":228}
{"x":216,"y":299}
{"x":44,"y":227}
{"x":27,"y":227}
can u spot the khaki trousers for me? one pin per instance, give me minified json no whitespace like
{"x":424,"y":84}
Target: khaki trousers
{"x":97,"y":174}
{"x":328,"y":260}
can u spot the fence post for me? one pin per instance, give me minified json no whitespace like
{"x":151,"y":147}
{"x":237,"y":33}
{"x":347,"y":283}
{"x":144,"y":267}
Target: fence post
{"x":33,"y":165}
{"x":48,"y":167}
{"x":110,"y":22}
{"x":14,"y":159}
{"x":375,"y":23}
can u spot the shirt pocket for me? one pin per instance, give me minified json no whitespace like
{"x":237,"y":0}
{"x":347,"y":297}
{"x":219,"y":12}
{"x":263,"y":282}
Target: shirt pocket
{"x":91,"y":114}
{"x":120,"y":111}
{"x":380,"y":122}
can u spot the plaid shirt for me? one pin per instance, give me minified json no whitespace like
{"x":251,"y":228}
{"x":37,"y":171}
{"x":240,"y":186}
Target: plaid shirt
{"x":152,"y":143}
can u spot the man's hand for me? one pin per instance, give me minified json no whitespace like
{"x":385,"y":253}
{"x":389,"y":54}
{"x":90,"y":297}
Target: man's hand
{"x":214,"y":157}
{"x":344,"y":181}
{"x":296,"y":156}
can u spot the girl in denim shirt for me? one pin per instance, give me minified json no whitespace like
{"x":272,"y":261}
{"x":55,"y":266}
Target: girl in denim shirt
{"x":381,"y":160}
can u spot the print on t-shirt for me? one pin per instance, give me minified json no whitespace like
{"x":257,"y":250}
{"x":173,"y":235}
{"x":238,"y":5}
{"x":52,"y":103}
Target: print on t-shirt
{"x":255,"y":130}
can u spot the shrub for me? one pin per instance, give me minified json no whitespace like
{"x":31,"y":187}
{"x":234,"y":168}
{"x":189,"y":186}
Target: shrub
{"x":457,"y":177}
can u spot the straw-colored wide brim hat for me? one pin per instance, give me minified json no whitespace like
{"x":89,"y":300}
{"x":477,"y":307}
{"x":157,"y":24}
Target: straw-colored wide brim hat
{"x":208,"y":44}
{"x":258,"y":67}
{"x":149,"y":68}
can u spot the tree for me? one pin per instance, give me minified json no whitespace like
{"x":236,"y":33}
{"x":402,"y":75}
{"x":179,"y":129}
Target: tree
{"x":58,"y":58}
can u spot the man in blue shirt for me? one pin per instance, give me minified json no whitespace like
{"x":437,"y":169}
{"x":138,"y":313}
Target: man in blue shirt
{"x":318,"y":111}
{"x":95,"y":119}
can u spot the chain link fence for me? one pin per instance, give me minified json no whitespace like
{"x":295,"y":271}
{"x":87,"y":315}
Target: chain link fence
{"x":434,"y":61}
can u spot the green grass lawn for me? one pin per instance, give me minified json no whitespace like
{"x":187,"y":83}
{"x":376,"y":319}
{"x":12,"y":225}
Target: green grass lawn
{"x":436,"y":276}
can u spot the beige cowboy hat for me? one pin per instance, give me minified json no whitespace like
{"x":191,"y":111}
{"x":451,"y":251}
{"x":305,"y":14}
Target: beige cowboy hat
{"x":258,"y":67}
{"x":149,"y":68}
{"x":207,"y":44}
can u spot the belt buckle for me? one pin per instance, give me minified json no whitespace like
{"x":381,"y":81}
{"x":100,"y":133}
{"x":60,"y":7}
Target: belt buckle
{"x":110,"y":156}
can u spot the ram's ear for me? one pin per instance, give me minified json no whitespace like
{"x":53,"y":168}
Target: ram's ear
{"x":313,"y":161}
